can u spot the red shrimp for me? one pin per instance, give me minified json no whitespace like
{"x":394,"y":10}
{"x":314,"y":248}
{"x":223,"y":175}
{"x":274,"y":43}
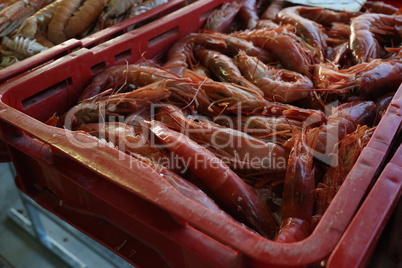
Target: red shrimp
{"x":12,"y":15}
{"x":350,"y":148}
{"x":276,"y":129}
{"x":266,"y":24}
{"x":309,"y":30}
{"x":124,"y":77}
{"x":125,"y":138}
{"x":369,"y":80}
{"x":234,"y":45}
{"x":364,"y":28}
{"x":224,"y":69}
{"x":229,"y":189}
{"x":56,"y":27}
{"x":339,"y":56}
{"x":281,"y":42}
{"x":38,"y":22}
{"x":297,"y":198}
{"x":220,"y":20}
{"x":144,"y":7}
{"x":380,"y":7}
{"x":272,"y":10}
{"x":97,"y":108}
{"x":278,"y":84}
{"x":237,"y":149}
{"x":214,"y":98}
{"x":115,"y":11}
{"x":343,"y":120}
{"x":248,"y":14}
{"x":327,"y":17}
{"x":128,"y":138}
{"x":87,"y":14}
{"x":180,"y":54}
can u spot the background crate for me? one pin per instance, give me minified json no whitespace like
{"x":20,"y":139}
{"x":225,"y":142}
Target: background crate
{"x":89,"y":41}
{"x":127,"y":208}
{"x":58,"y":51}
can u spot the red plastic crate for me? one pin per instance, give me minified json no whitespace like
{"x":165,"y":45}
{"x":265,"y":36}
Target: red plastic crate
{"x":128,"y":209}
{"x":89,"y":41}
{"x":366,"y":227}
{"x":58,"y":51}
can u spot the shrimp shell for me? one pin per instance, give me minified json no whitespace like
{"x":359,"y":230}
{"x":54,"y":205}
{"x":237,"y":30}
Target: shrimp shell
{"x":38,"y":21}
{"x":145,"y":6}
{"x":86,"y":15}
{"x":24,"y":46}
{"x":14,"y":14}
{"x":7,"y":61}
{"x":57,"y":25}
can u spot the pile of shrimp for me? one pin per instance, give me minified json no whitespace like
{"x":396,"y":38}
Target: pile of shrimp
{"x":30,"y":27}
{"x":260,"y":115}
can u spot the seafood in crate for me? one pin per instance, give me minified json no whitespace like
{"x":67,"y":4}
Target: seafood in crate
{"x":45,"y":24}
{"x":208,"y":81}
{"x":119,"y":115}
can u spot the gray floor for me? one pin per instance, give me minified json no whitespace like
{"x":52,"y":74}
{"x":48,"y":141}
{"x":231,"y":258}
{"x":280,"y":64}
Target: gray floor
{"x":20,"y":249}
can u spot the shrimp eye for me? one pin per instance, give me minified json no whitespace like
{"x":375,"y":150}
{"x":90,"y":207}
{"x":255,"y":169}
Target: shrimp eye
{"x":106,"y":8}
{"x":196,"y":120}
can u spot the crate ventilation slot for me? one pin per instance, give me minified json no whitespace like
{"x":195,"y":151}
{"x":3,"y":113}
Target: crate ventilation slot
{"x":98,"y":67}
{"x":123,"y":55}
{"x":163,"y":36}
{"x":46,"y":93}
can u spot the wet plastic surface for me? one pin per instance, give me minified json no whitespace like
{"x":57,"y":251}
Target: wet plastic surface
{"x":128,"y":208}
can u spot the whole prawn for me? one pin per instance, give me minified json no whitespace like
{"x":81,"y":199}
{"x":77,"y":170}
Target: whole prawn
{"x":380,"y":7}
{"x":220,"y":20}
{"x":223,"y":68}
{"x":86,"y":15}
{"x":38,"y":21}
{"x":12,"y":15}
{"x":297,"y":58}
{"x":249,"y":14}
{"x":125,"y":138}
{"x":237,"y":149}
{"x":363,"y":42}
{"x":115,"y":11}
{"x":120,"y":104}
{"x":234,"y":45}
{"x":343,"y":120}
{"x":276,"y":129}
{"x":350,"y":148}
{"x":180,"y":55}
{"x":144,"y":7}
{"x":309,"y":30}
{"x":278,"y":84}
{"x":56,"y":28}
{"x":272,"y":10}
{"x":125,"y":77}
{"x":297,"y":198}
{"x":368,"y":80}
{"x":228,"y":188}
